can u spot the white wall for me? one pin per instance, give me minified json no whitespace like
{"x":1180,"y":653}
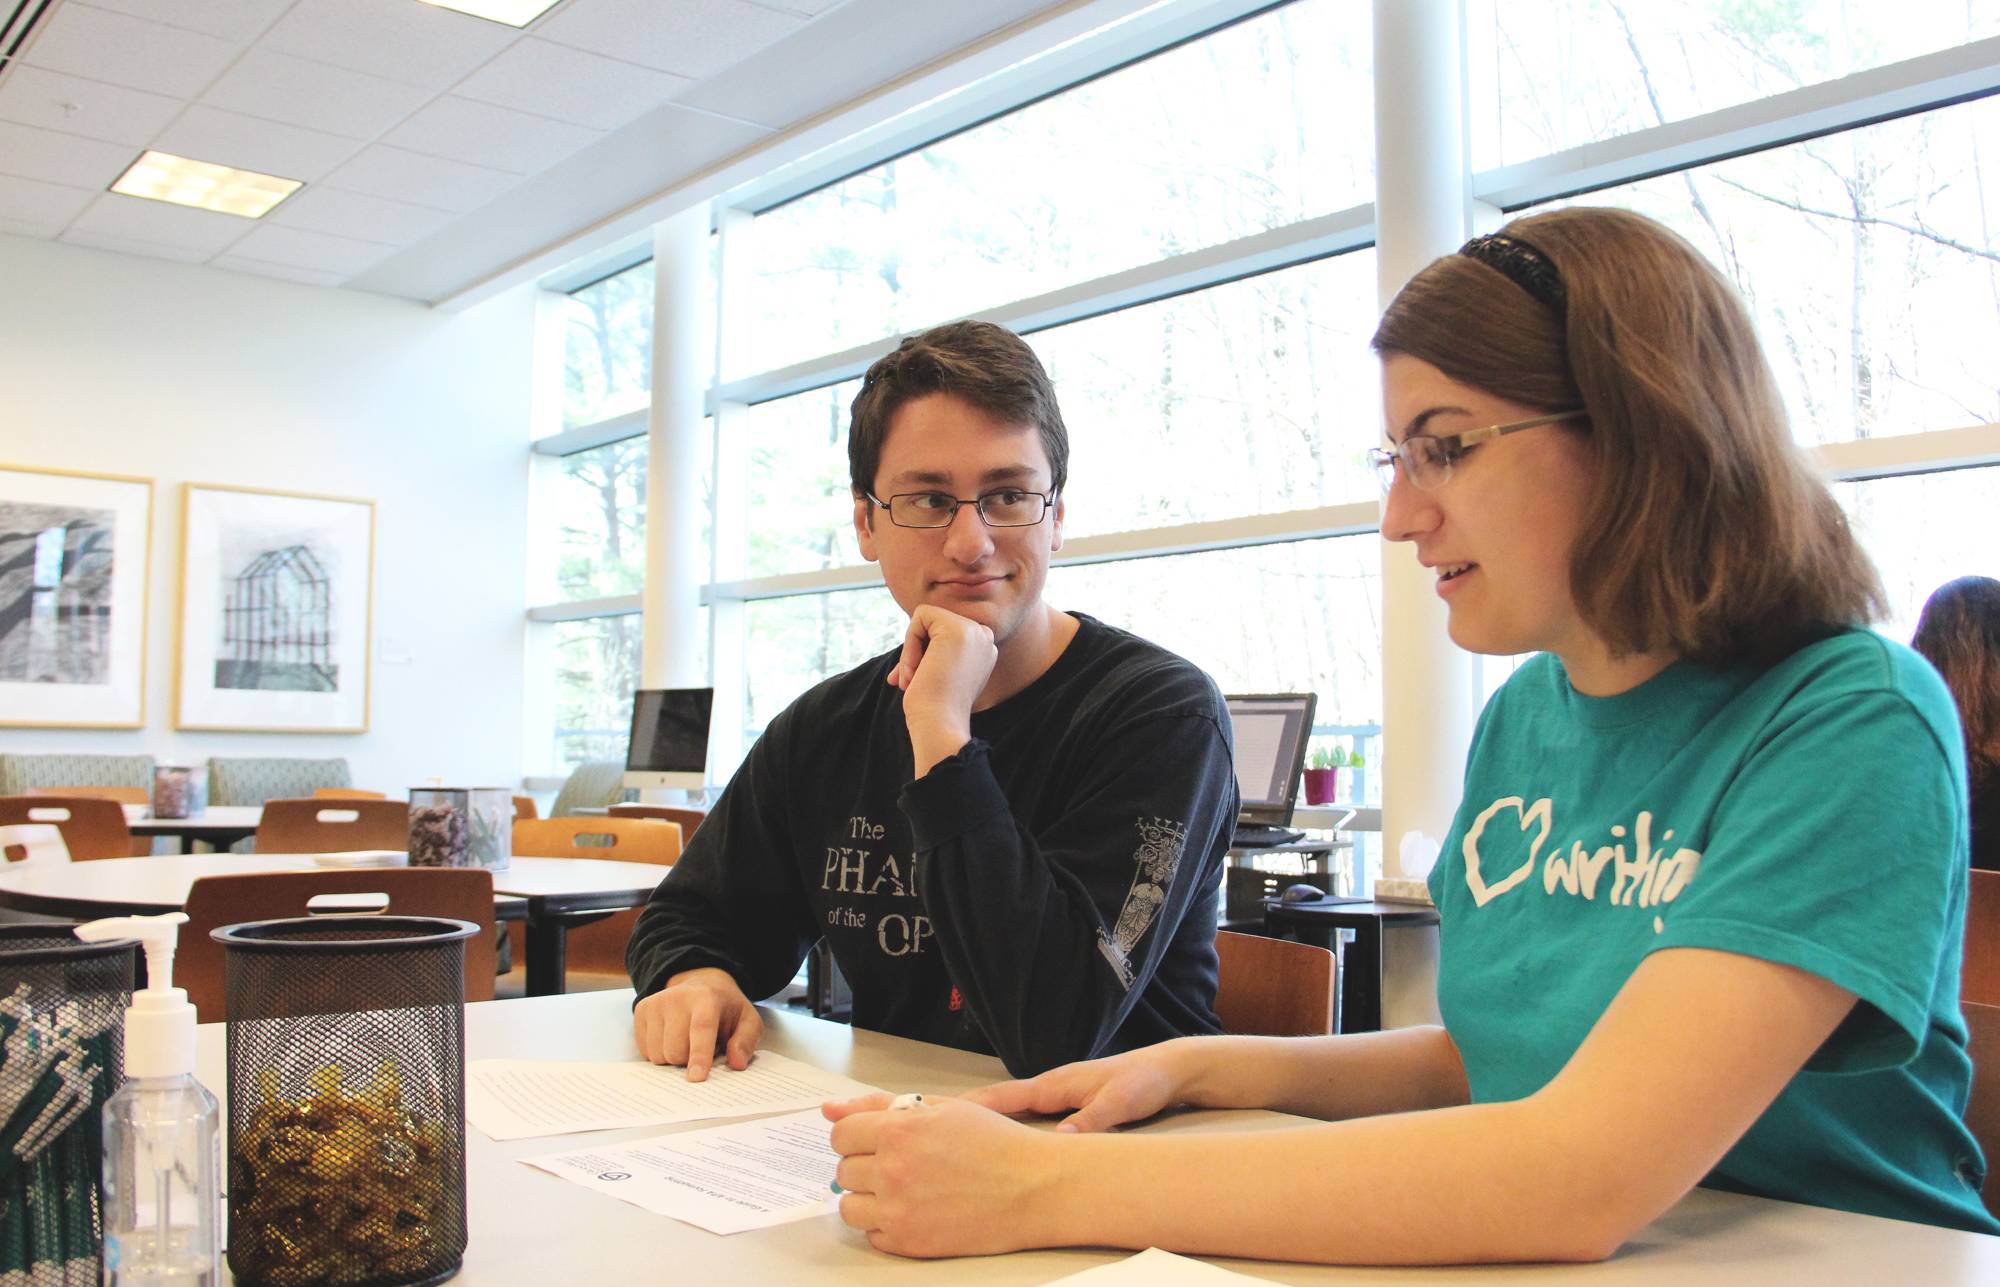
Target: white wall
{"x":186,"y":374}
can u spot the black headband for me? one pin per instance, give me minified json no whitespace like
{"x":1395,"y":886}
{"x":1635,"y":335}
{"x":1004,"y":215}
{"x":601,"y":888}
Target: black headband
{"x":1521,"y":264}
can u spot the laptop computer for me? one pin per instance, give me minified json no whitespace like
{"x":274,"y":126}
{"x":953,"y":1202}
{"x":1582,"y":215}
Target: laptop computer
{"x":1271,"y":731}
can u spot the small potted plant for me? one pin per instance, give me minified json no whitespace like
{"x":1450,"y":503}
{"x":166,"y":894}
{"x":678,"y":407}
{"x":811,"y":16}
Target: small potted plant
{"x":1323,"y":768}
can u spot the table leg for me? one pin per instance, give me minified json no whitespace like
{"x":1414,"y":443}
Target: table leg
{"x":548,"y":956}
{"x":1361,"y":978}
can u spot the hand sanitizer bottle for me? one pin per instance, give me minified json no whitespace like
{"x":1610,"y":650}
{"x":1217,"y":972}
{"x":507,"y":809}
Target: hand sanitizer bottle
{"x":162,"y":1138}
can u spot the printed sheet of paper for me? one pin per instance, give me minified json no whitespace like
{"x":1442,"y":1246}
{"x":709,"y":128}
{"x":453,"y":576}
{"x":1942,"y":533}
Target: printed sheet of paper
{"x":747,"y":1175}
{"x":513,"y":1099}
{"x":1155,"y":1268}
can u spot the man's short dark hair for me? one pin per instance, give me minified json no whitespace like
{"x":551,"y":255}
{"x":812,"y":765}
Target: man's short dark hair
{"x":988,"y":366}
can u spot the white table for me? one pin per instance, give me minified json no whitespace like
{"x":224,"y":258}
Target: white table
{"x":531,"y":1228}
{"x":548,"y":894}
{"x":221,"y":825}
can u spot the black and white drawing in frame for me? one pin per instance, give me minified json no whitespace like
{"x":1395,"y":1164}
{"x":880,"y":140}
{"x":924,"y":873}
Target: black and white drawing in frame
{"x":275,"y":610}
{"x":73,"y":567}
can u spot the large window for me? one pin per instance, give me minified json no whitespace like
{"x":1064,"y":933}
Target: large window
{"x":1871,"y":260}
{"x":589,"y":526}
{"x":1254,"y":127}
{"x":1556,"y":74}
{"x":608,"y":347}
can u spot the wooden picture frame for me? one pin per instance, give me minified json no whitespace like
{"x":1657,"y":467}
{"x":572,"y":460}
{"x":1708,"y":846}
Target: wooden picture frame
{"x":276,"y":611}
{"x":75,"y":570}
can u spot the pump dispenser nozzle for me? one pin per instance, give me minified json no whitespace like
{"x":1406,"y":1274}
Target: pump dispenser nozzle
{"x":159,"y":1028}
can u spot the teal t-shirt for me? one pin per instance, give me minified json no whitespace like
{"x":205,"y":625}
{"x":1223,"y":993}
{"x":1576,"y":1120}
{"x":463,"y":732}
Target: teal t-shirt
{"x":1812,"y":813}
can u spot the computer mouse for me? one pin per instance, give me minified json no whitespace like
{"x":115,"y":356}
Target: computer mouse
{"x":1302,"y":894}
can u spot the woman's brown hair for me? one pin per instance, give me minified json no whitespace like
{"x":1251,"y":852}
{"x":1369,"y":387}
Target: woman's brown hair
{"x":1709,"y":533}
{"x":1959,"y":632}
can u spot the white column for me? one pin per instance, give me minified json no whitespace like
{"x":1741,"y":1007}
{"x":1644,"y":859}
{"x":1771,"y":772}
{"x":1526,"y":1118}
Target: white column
{"x":683,"y":362}
{"x":1430,"y":687}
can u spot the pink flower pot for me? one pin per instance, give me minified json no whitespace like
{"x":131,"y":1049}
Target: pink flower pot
{"x":1321,"y":785}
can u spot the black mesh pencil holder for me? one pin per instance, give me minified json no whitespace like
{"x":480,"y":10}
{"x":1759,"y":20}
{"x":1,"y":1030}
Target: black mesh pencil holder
{"x":346,"y":1099}
{"x":62,"y":1053}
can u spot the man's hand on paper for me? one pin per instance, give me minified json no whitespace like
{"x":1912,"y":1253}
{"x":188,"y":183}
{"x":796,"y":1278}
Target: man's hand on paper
{"x":930,"y":1182}
{"x":946,"y":662}
{"x":698,"y":1013}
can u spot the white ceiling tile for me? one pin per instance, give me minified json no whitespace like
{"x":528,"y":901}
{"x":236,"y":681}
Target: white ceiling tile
{"x":46,"y":205}
{"x":31,"y":96}
{"x":27,"y":228}
{"x":691,"y":37}
{"x":482,"y":134}
{"x":284,"y":272}
{"x":29,"y":153}
{"x":418,"y":44}
{"x":807,"y":7}
{"x":314,"y":95}
{"x":161,"y":222}
{"x":301,"y":249}
{"x":251,"y":143}
{"x":570,"y":85}
{"x":129,"y":51}
{"x":238,"y":20}
{"x":425,"y":180}
{"x":134,"y":246}
{"x":351,"y":214}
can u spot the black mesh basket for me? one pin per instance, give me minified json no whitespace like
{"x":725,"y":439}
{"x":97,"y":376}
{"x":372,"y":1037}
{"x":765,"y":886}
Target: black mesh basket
{"x":346,"y":1099}
{"x":62,"y":1053}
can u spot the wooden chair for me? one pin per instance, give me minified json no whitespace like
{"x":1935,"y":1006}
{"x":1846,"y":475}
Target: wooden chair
{"x":462,"y":893}
{"x":142,"y":846}
{"x":1980,"y":979}
{"x":123,"y":795}
{"x":688,"y":818}
{"x":524,"y":807}
{"x":346,"y":793}
{"x":1982,"y":1110}
{"x":597,"y":950}
{"x":91,"y":828}
{"x":36,"y":844}
{"x":324,"y":826}
{"x":1273,"y":987}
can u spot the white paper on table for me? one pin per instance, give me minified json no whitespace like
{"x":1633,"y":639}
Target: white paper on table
{"x":747,"y":1175}
{"x":512,"y":1099}
{"x":1155,"y":1268}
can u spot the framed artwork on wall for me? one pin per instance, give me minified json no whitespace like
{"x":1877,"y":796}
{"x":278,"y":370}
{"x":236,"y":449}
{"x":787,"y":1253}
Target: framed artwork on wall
{"x":74,"y":562}
{"x":276,"y":610}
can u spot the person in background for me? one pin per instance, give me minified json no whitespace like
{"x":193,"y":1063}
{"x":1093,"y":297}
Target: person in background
{"x":1010,"y":829}
{"x":1663,"y":960}
{"x":1959,"y":632}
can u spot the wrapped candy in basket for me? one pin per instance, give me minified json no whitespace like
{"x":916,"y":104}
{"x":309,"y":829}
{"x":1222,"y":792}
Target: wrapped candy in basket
{"x":346,"y":1148}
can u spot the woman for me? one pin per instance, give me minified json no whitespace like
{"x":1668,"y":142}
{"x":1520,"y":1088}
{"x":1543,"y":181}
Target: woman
{"x":1959,"y":633}
{"x":1663,"y":958}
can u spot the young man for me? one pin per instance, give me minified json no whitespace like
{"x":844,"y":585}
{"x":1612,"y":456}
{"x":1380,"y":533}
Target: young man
{"x":1011,"y":829}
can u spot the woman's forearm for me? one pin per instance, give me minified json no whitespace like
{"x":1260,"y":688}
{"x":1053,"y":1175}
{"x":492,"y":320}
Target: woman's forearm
{"x":1334,"y":1078}
{"x":1452,"y":1186}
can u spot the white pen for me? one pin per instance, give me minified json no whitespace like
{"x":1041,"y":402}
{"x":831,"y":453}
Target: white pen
{"x":909,"y":1100}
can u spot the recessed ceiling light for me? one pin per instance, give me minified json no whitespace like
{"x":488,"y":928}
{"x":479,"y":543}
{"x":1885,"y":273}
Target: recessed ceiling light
{"x":515,"y":13}
{"x":161,"y":176}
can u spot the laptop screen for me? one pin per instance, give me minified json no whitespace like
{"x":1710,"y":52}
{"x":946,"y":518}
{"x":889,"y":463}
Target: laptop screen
{"x":1271,"y":731}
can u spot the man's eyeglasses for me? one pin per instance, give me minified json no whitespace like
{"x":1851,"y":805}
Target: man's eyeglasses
{"x":1427,"y":458}
{"x":1004,"y":507}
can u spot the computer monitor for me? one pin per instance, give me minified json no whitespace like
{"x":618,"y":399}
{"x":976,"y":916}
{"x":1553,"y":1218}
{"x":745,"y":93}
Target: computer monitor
{"x":669,"y":744}
{"x":1271,"y":731}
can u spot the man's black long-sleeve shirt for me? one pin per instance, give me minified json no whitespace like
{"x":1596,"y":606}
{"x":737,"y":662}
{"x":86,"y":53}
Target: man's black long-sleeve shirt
{"x":1047,"y":894}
